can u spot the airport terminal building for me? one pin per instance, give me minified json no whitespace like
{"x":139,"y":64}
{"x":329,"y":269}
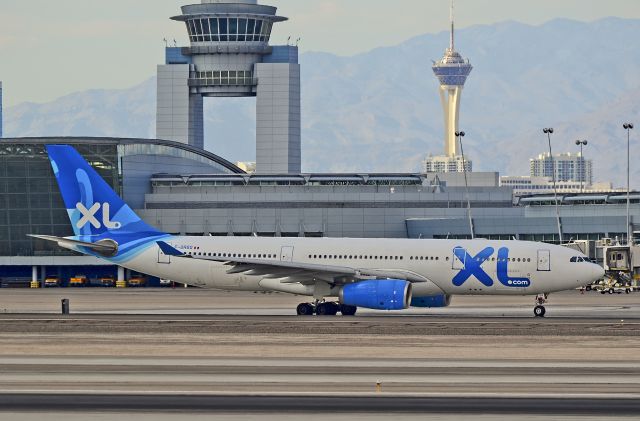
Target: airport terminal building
{"x":181,"y":189}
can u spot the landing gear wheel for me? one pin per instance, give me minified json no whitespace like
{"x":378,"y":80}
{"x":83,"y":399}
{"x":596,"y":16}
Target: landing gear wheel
{"x":348,"y":310}
{"x":539,"y":311}
{"x":327,"y":309}
{"x":334,"y":308}
{"x":323,"y":309}
{"x":305,"y":309}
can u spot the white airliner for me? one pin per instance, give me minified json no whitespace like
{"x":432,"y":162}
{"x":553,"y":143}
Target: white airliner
{"x":383,"y":274}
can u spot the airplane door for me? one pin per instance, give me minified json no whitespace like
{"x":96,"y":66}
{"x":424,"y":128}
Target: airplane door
{"x":163,"y":258}
{"x":544,"y":260}
{"x":459,"y":264}
{"x":286,"y":254}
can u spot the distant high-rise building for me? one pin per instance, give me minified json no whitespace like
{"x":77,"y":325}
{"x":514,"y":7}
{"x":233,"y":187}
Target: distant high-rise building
{"x":452,"y":72}
{"x":523,"y":185}
{"x":443,"y":164}
{"x":567,"y":167}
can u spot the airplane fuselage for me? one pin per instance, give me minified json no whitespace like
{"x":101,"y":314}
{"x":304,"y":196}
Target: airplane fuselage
{"x":451,"y":267}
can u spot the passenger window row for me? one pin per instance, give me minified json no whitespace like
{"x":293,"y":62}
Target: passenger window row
{"x":355,"y":257}
{"x":352,"y":257}
{"x":512,"y":259}
{"x":234,"y":255}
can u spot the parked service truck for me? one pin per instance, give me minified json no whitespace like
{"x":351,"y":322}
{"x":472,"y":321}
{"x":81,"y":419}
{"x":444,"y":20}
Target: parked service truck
{"x":79,"y":281}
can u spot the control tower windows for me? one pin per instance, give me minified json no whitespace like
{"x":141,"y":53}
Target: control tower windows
{"x":251,"y":27}
{"x":258,"y":30}
{"x":199,"y":31}
{"x":226,"y":77}
{"x":213,"y":24}
{"x":242,"y":29}
{"x":233,"y":29}
{"x":223,"y":29}
{"x":266,"y":30}
{"x":191,"y":29}
{"x":229,"y":29}
{"x":206,"y":36}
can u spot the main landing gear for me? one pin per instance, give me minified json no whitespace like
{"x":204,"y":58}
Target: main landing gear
{"x":539,"y":309}
{"x":325,"y":309}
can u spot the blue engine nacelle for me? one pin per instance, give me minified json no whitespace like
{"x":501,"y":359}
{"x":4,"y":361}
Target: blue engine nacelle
{"x":387,"y":294}
{"x":432,"y":301}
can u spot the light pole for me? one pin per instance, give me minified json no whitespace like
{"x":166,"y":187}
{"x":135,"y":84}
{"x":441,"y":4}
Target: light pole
{"x":583,"y":173}
{"x":628,"y":127}
{"x":549,"y":132}
{"x":460,"y":135}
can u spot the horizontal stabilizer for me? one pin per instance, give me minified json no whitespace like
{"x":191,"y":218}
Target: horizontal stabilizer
{"x":169,"y":250}
{"x":104,"y":247}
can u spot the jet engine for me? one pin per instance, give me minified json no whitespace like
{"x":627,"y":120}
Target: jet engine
{"x":432,"y":301}
{"x":387,"y":294}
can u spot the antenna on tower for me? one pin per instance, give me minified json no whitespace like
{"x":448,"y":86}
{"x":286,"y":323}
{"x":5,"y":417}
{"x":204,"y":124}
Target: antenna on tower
{"x":452,"y":17}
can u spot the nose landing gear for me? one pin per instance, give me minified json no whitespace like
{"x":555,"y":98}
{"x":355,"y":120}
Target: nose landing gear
{"x":539,"y":310}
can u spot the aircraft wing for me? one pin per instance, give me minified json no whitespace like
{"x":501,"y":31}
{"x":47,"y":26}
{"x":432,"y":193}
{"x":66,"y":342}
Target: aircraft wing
{"x":295,"y":272}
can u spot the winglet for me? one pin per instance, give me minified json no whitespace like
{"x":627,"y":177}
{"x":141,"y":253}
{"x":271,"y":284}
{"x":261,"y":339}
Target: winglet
{"x":168,"y":250}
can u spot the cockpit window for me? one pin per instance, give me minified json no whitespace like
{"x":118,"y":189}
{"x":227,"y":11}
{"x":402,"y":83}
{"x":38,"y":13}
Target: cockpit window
{"x":577,"y":259}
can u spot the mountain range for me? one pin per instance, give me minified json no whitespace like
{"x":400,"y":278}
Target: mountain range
{"x":380,"y":110}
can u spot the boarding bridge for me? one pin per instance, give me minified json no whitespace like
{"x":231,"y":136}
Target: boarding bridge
{"x":621,"y":263}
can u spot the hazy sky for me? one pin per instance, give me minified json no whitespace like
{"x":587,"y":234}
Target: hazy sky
{"x":52,"y":48}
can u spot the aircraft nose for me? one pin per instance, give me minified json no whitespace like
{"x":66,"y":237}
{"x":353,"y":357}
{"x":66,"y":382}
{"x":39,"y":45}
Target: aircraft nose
{"x":597,"y":272}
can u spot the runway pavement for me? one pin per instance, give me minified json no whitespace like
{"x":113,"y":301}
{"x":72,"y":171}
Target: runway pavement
{"x":314,"y":405}
{"x":151,"y":350}
{"x":182,"y":301}
{"x":318,"y":325}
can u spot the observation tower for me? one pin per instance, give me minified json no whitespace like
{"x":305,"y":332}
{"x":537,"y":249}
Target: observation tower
{"x":452,"y":72}
{"x":230,"y":56}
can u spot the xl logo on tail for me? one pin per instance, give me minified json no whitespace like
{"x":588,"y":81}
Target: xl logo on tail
{"x":89,"y":216}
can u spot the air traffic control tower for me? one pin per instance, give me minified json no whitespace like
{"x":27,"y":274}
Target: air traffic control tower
{"x":452,"y":72}
{"x":230,"y":56}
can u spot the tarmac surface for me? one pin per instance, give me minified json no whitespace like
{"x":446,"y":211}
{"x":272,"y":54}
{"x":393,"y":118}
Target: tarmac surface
{"x":190,"y":352}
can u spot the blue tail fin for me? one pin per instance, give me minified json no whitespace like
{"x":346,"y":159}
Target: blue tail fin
{"x":95,"y":210}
